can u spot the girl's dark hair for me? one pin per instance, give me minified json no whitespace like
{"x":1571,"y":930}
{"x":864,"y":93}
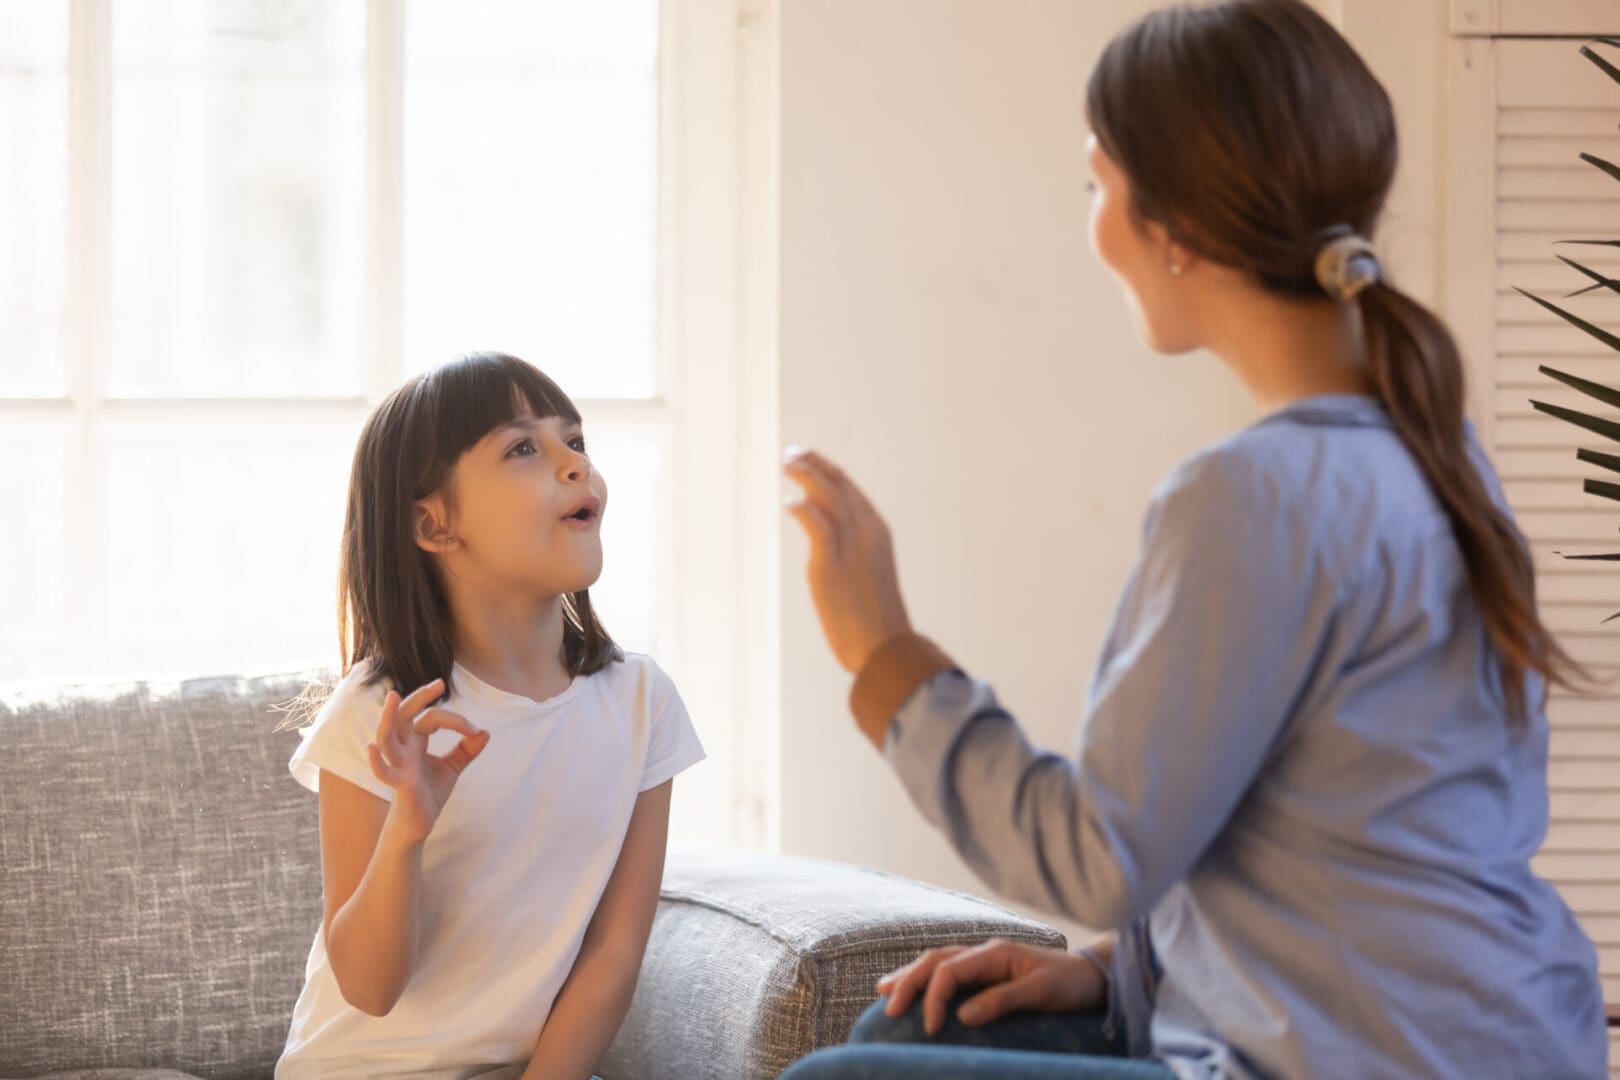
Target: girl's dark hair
{"x":1251,"y":130}
{"x":392,"y":608}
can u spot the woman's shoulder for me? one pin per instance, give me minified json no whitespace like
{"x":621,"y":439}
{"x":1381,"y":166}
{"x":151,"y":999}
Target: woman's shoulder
{"x":1344,"y":491}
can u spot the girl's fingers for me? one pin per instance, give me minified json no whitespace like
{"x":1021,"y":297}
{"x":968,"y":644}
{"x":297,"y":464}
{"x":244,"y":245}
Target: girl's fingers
{"x":380,"y":768}
{"x":437,"y":719}
{"x":463,"y":753}
{"x":420,"y":698}
{"x":385,"y":719}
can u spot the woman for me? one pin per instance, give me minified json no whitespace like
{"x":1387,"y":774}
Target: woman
{"x":1313,"y":769}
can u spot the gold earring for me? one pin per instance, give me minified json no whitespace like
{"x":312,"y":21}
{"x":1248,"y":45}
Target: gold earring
{"x":1175,"y":268}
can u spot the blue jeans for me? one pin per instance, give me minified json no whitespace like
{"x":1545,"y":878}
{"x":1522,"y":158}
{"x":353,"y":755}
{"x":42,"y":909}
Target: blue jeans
{"x":1019,"y":1046}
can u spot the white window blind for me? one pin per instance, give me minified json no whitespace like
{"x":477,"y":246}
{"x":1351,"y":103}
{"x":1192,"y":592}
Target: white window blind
{"x":1524,"y":105}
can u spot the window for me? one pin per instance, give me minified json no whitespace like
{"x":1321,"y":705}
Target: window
{"x":232,"y":227}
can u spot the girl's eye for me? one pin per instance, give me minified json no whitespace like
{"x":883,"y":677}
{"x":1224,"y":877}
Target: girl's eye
{"x":580,"y":440}
{"x":514,"y":451}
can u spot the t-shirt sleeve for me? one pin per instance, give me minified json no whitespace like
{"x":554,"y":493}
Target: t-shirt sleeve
{"x":672,"y":744}
{"x":336,"y":739}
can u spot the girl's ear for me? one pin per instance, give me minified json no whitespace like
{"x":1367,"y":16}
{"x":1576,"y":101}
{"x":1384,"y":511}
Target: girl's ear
{"x":429,"y":525}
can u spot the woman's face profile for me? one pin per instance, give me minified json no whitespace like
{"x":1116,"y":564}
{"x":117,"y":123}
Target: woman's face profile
{"x":1139,"y":255}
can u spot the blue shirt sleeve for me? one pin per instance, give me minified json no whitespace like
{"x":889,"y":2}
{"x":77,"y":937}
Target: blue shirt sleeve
{"x":1214,"y":641}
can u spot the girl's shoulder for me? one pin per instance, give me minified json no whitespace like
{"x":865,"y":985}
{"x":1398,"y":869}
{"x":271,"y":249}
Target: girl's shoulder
{"x":639,"y":682}
{"x":359,"y":692}
{"x":633,"y":670}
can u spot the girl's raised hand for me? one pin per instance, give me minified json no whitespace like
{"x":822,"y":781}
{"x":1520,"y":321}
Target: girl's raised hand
{"x":853,"y":579}
{"x":422,"y":782}
{"x":1015,"y":977}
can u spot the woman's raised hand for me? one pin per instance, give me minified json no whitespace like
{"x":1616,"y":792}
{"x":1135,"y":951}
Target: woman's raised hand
{"x":422,"y":782}
{"x":1015,"y":976}
{"x":853,"y":579}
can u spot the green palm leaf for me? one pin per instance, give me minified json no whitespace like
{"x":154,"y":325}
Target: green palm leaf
{"x":1609,"y":429}
{"x":1603,"y":280}
{"x":1602,"y":489}
{"x":1605,"y":461}
{"x":1574,"y":320}
{"x":1586,"y":386}
{"x":1608,"y":68}
{"x":1593,"y":159}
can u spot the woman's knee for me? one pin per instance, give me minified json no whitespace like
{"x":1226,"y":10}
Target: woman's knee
{"x":875,"y":1025}
{"x":837,"y":1063}
{"x":1063,"y":1033}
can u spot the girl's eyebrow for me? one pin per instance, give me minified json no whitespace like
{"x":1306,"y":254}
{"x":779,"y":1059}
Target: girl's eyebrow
{"x":524,"y":423}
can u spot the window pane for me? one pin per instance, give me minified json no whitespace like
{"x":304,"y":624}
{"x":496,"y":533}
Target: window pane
{"x":33,"y":196}
{"x":33,"y":546}
{"x":531,"y":187}
{"x":626,"y":595}
{"x":229,"y":564}
{"x":238,"y":161}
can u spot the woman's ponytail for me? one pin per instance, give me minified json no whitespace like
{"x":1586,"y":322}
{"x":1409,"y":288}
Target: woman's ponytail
{"x":1418,"y":375}
{"x":1283,"y":174}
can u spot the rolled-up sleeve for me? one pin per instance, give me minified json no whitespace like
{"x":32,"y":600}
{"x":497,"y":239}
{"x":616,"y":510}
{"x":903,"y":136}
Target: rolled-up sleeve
{"x":1212,"y":644}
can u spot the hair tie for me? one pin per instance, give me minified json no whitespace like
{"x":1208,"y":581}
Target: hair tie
{"x":1347,"y":264}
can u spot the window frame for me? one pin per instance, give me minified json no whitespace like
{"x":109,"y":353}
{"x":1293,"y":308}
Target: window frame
{"x":712,"y":416}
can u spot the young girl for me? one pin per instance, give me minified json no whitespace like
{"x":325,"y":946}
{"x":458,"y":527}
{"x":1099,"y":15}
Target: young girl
{"x":494,"y":773}
{"x":1313,"y":769}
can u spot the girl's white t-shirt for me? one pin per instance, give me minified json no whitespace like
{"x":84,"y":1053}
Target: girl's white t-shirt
{"x":511,"y":872}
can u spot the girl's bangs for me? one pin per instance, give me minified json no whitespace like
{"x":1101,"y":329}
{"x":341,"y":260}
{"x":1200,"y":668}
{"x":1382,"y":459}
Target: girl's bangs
{"x":473,"y":395}
{"x":449,"y":409}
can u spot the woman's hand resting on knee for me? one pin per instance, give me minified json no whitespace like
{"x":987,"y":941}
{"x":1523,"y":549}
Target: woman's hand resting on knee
{"x":1015,"y":976}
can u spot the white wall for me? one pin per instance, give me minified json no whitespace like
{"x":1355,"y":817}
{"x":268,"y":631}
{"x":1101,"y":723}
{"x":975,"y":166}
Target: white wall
{"x":945,"y":333}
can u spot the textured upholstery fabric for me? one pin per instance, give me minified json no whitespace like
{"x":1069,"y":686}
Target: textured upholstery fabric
{"x":160,"y":882}
{"x":118,"y":1074}
{"x":756,"y":960}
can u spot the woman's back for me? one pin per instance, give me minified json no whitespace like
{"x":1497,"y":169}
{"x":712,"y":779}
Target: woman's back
{"x":1375,"y":876}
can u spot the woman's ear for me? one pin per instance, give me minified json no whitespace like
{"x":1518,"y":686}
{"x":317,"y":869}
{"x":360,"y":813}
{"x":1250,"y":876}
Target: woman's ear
{"x":1177,"y":259}
{"x":430,"y":525}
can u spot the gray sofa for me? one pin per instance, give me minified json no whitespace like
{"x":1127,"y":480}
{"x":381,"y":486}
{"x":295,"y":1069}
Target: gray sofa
{"x":160,"y":885}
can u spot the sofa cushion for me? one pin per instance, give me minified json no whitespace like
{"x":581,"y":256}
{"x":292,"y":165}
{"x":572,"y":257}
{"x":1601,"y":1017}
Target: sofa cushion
{"x":756,"y":960}
{"x":161,"y":880}
{"x":116,"y":1074}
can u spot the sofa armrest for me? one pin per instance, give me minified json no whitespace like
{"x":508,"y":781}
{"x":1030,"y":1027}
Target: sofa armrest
{"x":755,"y":960}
